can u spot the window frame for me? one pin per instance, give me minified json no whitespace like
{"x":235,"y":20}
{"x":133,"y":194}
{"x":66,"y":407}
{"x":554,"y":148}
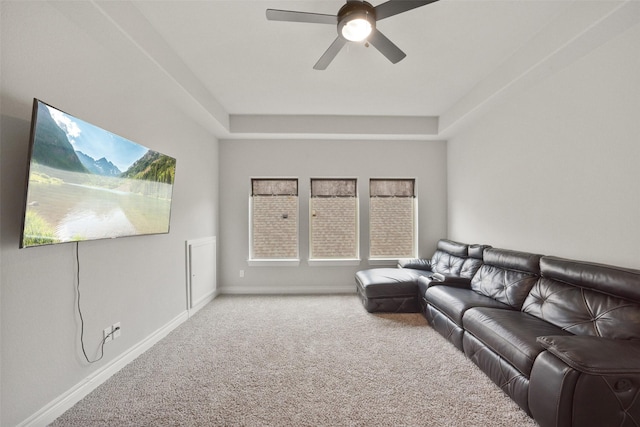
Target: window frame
{"x":335,"y":261}
{"x":253,"y":261}
{"x":383,"y":260}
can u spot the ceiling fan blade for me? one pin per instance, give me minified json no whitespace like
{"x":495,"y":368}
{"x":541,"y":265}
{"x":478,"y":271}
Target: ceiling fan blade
{"x":329,"y":54}
{"x":386,"y":46}
{"x":293,"y":16}
{"x":394,"y":7}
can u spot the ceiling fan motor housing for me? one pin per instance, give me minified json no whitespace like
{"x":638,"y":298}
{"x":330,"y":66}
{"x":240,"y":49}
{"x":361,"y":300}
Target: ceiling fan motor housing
{"x":355,"y":9}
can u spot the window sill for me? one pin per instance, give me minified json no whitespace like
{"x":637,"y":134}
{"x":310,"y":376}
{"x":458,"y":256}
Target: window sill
{"x":333,"y":262}
{"x":273,"y":262}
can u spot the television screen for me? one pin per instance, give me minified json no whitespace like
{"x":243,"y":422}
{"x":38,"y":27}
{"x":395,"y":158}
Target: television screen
{"x":85,"y":183}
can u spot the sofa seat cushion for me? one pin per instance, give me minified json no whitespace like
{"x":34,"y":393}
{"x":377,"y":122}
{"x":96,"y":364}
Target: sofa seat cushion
{"x":510,"y":334}
{"x":389,"y":282}
{"x":453,"y":302}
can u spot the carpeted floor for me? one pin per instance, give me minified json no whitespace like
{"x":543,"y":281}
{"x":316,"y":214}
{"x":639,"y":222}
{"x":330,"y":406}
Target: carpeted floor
{"x":298,"y":361}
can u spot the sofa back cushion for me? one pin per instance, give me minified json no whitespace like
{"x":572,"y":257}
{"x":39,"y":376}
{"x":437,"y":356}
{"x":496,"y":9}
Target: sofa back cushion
{"x":507,"y":276}
{"x":472,"y":264}
{"x":447,"y":264}
{"x":587,"y":299}
{"x":449,"y":257}
{"x":470,"y":267}
{"x":453,"y":248}
{"x":477,"y":251}
{"x":609,"y":279}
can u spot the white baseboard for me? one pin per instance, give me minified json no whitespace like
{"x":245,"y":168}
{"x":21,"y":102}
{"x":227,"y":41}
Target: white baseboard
{"x":204,"y":301}
{"x":62,"y":403}
{"x":289,"y":290}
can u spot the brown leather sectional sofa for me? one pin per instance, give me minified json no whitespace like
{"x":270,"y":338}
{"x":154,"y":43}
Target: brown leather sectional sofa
{"x":560,"y":337}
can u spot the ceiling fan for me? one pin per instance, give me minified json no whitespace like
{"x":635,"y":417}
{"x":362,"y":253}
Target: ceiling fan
{"x":356,"y":21}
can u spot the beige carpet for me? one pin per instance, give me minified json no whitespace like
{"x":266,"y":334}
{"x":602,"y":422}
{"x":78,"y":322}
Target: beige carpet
{"x":298,"y":361}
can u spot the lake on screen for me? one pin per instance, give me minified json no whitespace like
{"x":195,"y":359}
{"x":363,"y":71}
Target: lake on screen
{"x":80,"y":212}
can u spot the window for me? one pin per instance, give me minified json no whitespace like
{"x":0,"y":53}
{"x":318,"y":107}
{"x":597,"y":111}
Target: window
{"x":274,"y":219}
{"x":333,"y":219}
{"x":392,"y":224}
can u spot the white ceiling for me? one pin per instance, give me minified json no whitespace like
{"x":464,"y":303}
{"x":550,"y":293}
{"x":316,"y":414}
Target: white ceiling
{"x":243,"y":70}
{"x":255,"y":66}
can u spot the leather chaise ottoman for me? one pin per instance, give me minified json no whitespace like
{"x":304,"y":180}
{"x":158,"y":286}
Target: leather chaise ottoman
{"x":389,"y":289}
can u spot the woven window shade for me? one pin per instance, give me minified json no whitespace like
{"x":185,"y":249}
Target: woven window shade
{"x":333,"y":188}
{"x":392,"y":188}
{"x":274,"y":187}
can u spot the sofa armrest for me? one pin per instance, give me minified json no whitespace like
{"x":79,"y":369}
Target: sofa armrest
{"x":585,"y":380}
{"x":595,"y":355}
{"x":415,"y":263}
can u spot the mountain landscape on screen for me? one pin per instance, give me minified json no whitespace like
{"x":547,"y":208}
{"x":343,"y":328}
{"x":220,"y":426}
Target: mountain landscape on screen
{"x":101,"y":166}
{"x":72,"y":196}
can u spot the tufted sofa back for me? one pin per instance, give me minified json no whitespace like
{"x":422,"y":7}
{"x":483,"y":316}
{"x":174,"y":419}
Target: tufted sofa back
{"x":507,"y":276}
{"x":449,"y":257}
{"x":472,"y":264}
{"x":587,"y":299}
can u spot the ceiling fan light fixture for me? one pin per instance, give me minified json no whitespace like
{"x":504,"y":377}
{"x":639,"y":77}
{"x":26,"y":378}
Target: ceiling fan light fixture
{"x":356,"y":21}
{"x":357,"y":29}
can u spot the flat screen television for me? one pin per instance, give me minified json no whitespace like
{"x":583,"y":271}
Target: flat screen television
{"x":85,"y":183}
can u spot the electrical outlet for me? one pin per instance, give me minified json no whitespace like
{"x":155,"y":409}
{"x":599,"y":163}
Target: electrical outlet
{"x":116,"y":330}
{"x":107,"y":335}
{"x":241,"y":273}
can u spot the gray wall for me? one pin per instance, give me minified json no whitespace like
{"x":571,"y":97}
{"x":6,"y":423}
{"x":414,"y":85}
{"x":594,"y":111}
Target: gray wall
{"x":555,"y":168}
{"x":138,"y":281}
{"x":306,"y":159}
